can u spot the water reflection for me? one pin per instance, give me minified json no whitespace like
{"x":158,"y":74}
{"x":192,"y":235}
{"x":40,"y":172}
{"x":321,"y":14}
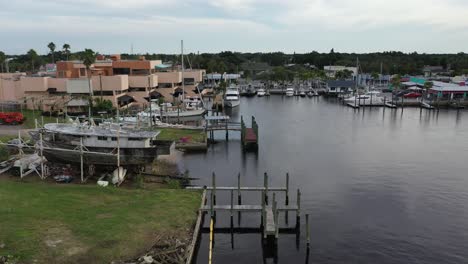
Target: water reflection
{"x":379,"y":184}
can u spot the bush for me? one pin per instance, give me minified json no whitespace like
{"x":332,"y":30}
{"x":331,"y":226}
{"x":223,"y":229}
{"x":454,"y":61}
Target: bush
{"x":173,"y":184}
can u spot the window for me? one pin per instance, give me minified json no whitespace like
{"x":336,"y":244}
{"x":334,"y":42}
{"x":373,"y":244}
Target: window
{"x":165,"y":85}
{"x":102,"y":138}
{"x":189,"y":81}
{"x":123,"y":71}
{"x":82,"y":72}
{"x":332,"y":88}
{"x":114,"y":138}
{"x":137,"y":89}
{"x":135,"y":139}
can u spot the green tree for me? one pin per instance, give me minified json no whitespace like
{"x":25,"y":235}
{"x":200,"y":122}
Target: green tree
{"x":2,"y":59}
{"x":51,"y":47}
{"x":396,"y":81}
{"x":427,"y":86}
{"x":344,"y":74}
{"x":32,"y":55}
{"x":374,"y":77}
{"x":101,"y":105}
{"x":66,"y":49}
{"x":89,"y":57}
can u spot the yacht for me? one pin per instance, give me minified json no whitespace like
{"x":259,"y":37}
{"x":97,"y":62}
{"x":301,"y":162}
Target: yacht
{"x":62,"y":143}
{"x":190,"y":107}
{"x":261,"y":92}
{"x":367,"y":99}
{"x":232,"y":96}
{"x":302,"y":93}
{"x":289,"y":91}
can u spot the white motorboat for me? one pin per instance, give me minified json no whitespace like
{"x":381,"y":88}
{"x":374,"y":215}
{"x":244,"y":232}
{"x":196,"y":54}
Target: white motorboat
{"x":261,"y":92}
{"x":190,"y":107}
{"x":289,"y":91}
{"x":302,"y":93}
{"x":232,"y":96}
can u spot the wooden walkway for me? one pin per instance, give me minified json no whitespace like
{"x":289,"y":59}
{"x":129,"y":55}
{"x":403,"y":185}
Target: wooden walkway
{"x":269,"y":210}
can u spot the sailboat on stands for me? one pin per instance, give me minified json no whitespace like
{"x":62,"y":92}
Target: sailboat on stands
{"x":189,"y":107}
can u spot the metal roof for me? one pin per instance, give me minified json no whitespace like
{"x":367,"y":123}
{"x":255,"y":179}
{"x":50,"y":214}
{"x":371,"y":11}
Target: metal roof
{"x":340,"y":83}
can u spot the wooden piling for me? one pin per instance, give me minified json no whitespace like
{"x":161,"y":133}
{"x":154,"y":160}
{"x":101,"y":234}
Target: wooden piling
{"x":239,"y":198}
{"x":232,"y":211}
{"x":298,"y":212}
{"x":265,"y":184}
{"x":213,"y":192}
{"x":286,"y":202}
{"x":307,"y":230}
{"x":263,"y":209}
{"x":81,"y":160}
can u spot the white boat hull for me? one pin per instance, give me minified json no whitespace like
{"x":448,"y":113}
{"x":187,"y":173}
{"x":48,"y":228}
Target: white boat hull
{"x":231,"y":104}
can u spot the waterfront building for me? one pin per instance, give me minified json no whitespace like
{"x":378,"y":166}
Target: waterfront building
{"x":126,"y":83}
{"x":335,"y":87}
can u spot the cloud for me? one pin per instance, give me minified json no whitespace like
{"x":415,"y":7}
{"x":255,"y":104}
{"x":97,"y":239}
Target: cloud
{"x":367,"y":14}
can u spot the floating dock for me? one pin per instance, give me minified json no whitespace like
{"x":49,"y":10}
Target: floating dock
{"x":353,"y":105}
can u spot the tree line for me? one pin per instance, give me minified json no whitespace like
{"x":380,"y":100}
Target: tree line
{"x":392,"y":62}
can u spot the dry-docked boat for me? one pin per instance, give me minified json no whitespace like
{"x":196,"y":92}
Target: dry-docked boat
{"x":100,"y":144}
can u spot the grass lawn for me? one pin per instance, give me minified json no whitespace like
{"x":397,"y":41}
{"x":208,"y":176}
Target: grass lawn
{"x":175,"y":134}
{"x":32,"y":115}
{"x":50,"y":223}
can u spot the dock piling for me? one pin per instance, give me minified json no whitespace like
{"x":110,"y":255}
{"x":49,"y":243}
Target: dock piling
{"x":286,"y":202}
{"x":307,"y":230}
{"x":213,"y":192}
{"x":265,"y":183}
{"x":239,"y":198}
{"x":232,"y":207}
{"x":298,"y":213}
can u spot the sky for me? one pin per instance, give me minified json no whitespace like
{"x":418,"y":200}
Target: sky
{"x":157,"y":26}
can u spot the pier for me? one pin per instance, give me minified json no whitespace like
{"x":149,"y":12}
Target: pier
{"x":249,"y":136}
{"x":268,"y":208}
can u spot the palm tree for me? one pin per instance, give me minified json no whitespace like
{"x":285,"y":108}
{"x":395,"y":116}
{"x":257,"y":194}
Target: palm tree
{"x":374,"y":77}
{"x":51,"y":46}
{"x":66,"y":49}
{"x":89,"y":57}
{"x":427,"y":86}
{"x":2,"y":59}
{"x":32,"y":54}
{"x":396,"y":81}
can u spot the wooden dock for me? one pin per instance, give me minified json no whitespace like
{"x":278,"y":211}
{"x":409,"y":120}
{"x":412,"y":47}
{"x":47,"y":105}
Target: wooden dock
{"x":353,"y":105}
{"x":268,"y":209}
{"x":249,"y":136}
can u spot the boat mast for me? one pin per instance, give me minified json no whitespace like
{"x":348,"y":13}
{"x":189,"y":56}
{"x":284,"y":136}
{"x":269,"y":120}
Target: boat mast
{"x":182,"y":55}
{"x":381,"y":72}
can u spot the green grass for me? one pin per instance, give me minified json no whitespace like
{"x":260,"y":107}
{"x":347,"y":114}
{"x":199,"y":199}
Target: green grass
{"x":31,"y":115}
{"x":175,"y":134}
{"x":51,"y":223}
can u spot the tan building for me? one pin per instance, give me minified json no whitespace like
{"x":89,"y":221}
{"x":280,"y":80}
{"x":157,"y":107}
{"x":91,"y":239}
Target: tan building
{"x":126,"y":83}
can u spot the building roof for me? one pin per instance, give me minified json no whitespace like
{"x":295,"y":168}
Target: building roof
{"x":341,"y":83}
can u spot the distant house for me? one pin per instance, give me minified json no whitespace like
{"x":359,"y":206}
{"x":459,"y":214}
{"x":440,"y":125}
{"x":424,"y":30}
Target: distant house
{"x":432,"y":71}
{"x":339,"y":86}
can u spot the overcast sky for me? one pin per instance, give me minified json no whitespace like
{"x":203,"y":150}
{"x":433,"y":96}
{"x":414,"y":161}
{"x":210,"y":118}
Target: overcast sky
{"x":112,"y":26}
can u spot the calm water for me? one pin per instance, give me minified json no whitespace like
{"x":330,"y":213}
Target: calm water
{"x":381,"y":186}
